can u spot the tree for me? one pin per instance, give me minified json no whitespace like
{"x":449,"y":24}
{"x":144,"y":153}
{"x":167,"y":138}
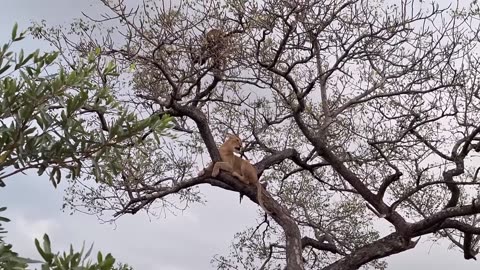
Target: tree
{"x":353,"y":111}
{"x":48,"y":123}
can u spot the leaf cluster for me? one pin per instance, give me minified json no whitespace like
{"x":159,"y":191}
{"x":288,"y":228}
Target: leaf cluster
{"x":58,"y":119}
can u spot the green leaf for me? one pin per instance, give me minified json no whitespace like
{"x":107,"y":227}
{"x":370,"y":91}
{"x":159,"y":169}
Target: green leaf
{"x":108,"y":263}
{"x":89,"y":251}
{"x":30,"y":70}
{"x":46,"y":244}
{"x":14,"y":31}
{"x":5,"y":48}
{"x":30,"y":56}
{"x":19,"y":38}
{"x":46,"y":256}
{"x":5,"y":68}
{"x":99,"y":257}
{"x":41,"y":170}
{"x":59,"y":176}
{"x":50,"y":58}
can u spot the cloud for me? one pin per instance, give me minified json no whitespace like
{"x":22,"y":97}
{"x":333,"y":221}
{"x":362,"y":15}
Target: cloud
{"x":22,"y":230}
{"x":31,"y":229}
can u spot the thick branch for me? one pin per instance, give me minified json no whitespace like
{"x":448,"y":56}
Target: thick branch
{"x":387,"y":182}
{"x":454,"y":189}
{"x":390,"y":244}
{"x":273,"y":159}
{"x":438,"y":218}
{"x":461,"y":226}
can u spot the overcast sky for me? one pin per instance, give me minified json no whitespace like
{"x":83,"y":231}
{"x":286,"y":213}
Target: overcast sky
{"x":183,"y":242}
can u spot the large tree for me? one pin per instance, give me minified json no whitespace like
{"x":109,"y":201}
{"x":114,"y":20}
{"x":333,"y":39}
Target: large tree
{"x":352,"y":111}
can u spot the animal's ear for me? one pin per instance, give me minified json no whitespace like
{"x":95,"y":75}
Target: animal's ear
{"x":231,"y":136}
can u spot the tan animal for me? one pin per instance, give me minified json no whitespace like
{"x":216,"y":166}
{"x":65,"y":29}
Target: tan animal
{"x":238,"y":167}
{"x":214,"y":46}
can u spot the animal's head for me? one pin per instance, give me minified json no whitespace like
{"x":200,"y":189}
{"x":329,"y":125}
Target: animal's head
{"x":234,"y":143}
{"x":214,"y":33}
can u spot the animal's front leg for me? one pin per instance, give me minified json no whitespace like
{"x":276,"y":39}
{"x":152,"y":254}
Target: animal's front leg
{"x":221,"y":165}
{"x":208,"y":168}
{"x":240,"y":177}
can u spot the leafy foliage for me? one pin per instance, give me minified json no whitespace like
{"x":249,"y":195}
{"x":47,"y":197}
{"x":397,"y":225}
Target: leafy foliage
{"x":75,"y":260}
{"x":64,"y":120}
{"x":3,"y":219}
{"x":70,"y":260}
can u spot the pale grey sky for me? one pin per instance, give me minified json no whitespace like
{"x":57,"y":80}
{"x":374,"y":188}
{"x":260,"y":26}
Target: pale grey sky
{"x":183,"y":242}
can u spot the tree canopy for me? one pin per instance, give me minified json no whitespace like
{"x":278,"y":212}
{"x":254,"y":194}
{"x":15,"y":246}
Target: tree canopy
{"x":353,"y":111}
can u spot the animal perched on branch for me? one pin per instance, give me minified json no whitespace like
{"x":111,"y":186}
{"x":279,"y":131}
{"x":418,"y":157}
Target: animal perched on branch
{"x":238,"y":167}
{"x":214,"y":46}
